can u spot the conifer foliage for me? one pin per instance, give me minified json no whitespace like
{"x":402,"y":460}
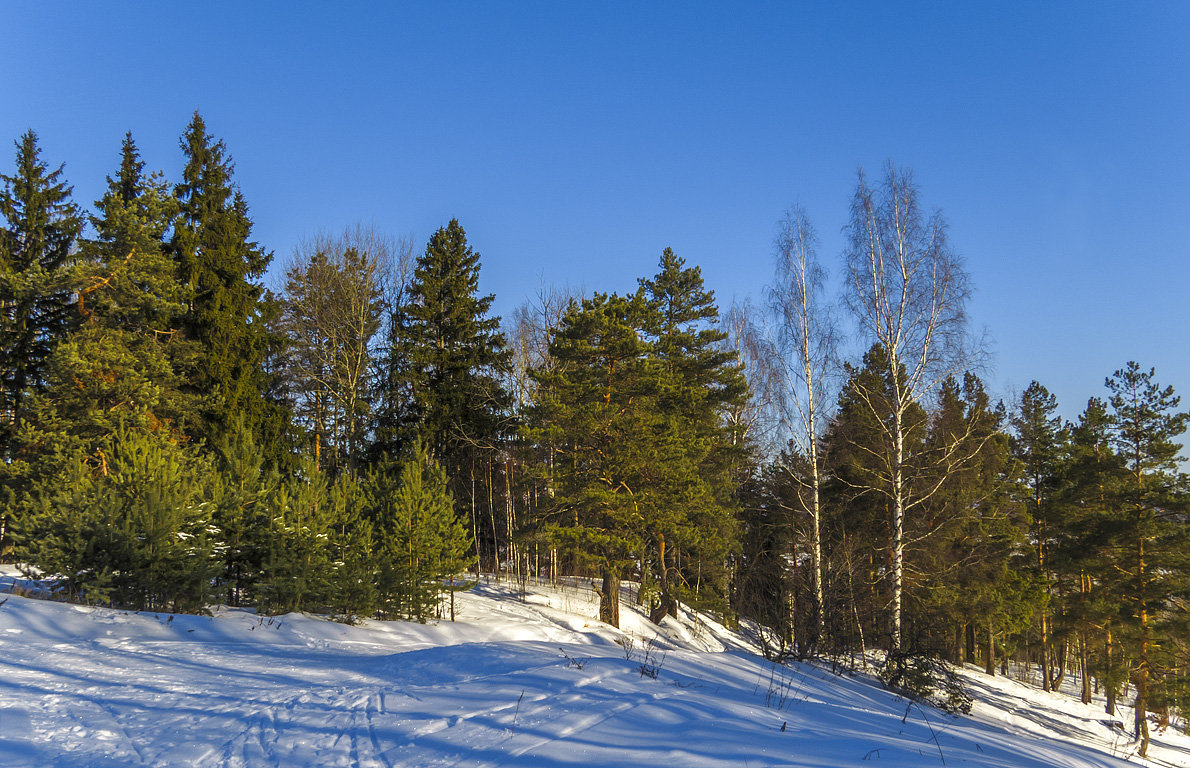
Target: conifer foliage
{"x":219,"y":267}
{"x":39,"y":230}
{"x":633,"y":405}
{"x":172,"y":436}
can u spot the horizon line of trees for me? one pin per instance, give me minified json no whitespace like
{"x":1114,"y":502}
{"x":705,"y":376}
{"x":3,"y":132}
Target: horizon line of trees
{"x":174,"y":434}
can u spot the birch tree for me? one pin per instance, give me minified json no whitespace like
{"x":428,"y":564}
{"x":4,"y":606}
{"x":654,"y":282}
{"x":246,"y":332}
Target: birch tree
{"x":803,"y":339}
{"x":907,"y":290}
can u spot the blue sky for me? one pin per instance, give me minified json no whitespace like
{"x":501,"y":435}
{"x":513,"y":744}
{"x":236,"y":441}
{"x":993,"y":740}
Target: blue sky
{"x":575,"y":142}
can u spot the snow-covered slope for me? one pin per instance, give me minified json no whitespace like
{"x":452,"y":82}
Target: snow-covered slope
{"x":515,"y":681}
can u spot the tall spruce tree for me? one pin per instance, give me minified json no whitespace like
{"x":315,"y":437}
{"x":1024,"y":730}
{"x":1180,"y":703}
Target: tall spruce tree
{"x":227,"y":312}
{"x":39,"y":230}
{"x":439,"y":379}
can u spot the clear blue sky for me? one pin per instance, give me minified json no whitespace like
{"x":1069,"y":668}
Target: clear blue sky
{"x":574,"y":142}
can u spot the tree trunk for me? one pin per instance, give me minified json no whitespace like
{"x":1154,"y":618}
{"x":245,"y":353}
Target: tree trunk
{"x":989,"y":659}
{"x":1056,"y":682}
{"x":609,"y":598}
{"x":898,"y":532}
{"x":1140,"y":678}
{"x":1045,"y":652}
{"x":492,"y":518}
{"x":1108,"y":689}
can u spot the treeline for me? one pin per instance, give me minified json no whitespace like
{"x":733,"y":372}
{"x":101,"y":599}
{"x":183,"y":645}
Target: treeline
{"x":901,"y":508}
{"x":175,"y":435}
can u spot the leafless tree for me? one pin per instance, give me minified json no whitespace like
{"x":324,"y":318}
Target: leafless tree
{"x":789,"y":348}
{"x":908,"y":293}
{"x":806,"y":337}
{"x":529,"y":331}
{"x":750,"y":421}
{"x":334,"y":297}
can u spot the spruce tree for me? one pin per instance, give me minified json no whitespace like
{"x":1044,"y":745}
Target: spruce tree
{"x":227,"y":312}
{"x":440,"y":381}
{"x":39,"y":230}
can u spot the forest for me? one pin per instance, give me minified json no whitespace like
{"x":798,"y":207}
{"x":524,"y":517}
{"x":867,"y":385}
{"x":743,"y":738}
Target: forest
{"x":367,"y":437}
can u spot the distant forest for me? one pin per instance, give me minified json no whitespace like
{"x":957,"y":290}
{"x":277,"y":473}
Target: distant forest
{"x":175,"y":435}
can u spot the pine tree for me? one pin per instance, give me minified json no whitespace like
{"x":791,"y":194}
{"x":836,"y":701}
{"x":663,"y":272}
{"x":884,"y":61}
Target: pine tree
{"x":1151,"y":534}
{"x":227,"y":313}
{"x":1089,"y":499}
{"x":861,"y":449}
{"x":297,"y":572}
{"x":420,"y":540}
{"x":699,"y":382}
{"x":1039,"y":445}
{"x":118,"y":366}
{"x":597,"y":407}
{"x":126,"y":525}
{"x":122,"y":363}
{"x":244,"y":497}
{"x":964,"y":559}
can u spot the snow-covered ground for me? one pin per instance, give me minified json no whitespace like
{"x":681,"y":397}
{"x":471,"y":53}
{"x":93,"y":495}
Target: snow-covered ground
{"x":515,"y":681}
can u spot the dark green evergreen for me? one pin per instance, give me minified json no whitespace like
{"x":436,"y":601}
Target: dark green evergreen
{"x":694,"y":528}
{"x":228,"y":311}
{"x":1040,"y":446}
{"x":421,"y":543}
{"x":440,"y":379}
{"x":39,"y":231}
{"x":1090,"y":495}
{"x":244,"y":501}
{"x":1148,"y":537}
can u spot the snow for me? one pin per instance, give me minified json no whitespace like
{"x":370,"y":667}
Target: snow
{"x":518,"y":680}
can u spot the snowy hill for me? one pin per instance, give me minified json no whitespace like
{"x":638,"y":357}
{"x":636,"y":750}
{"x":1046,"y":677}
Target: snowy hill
{"x":516,"y":681}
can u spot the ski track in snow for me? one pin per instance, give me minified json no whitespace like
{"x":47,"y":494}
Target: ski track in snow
{"x":513,"y":683}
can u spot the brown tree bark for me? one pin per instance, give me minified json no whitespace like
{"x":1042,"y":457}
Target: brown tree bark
{"x":609,"y":598}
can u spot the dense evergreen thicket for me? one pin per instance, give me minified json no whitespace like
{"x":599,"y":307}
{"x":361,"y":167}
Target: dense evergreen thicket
{"x":175,"y":435}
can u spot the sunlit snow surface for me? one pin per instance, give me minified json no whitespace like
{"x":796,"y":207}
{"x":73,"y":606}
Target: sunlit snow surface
{"x":516,"y":681}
